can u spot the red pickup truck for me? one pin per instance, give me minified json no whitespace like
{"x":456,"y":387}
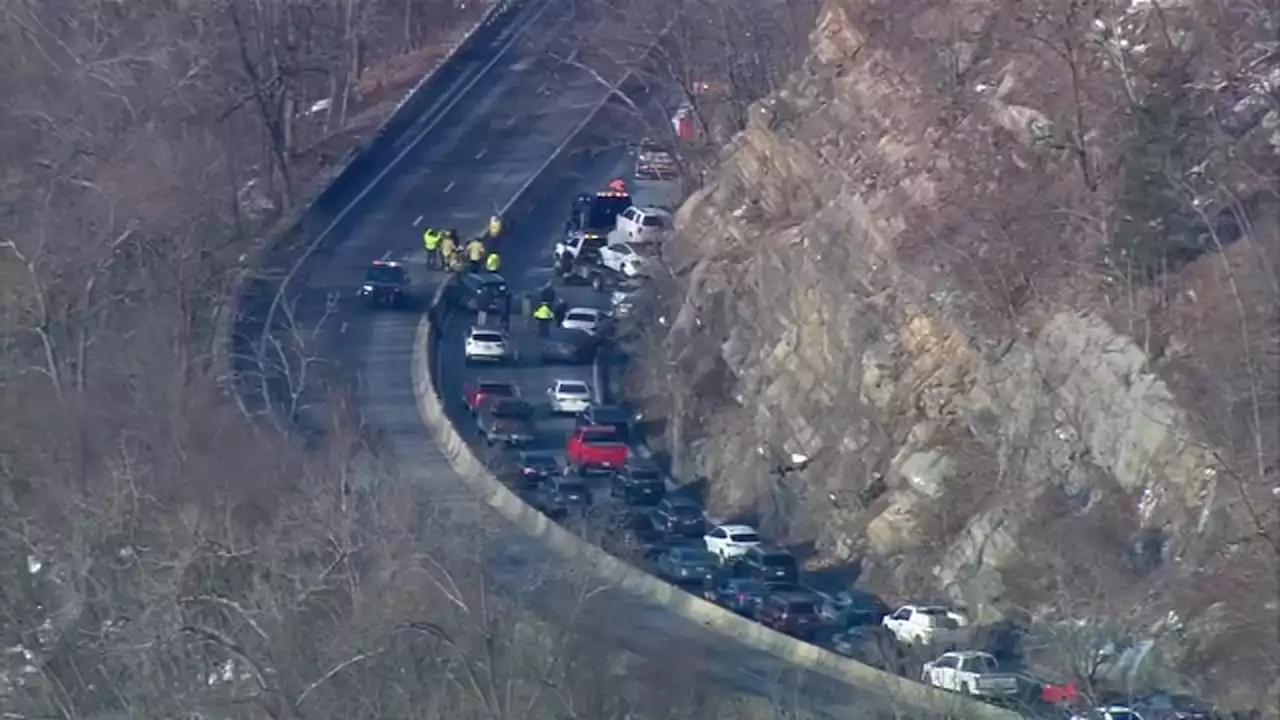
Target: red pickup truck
{"x":479,"y":393}
{"x":596,"y":447}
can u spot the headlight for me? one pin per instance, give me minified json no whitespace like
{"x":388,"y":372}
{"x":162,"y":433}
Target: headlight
{"x":367,"y":288}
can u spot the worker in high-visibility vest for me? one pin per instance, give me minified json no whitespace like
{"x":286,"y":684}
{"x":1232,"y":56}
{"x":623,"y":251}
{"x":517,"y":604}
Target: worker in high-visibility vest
{"x":545,"y":317}
{"x":475,"y":254}
{"x":448,"y":244}
{"x":431,"y":243}
{"x":493,"y":262}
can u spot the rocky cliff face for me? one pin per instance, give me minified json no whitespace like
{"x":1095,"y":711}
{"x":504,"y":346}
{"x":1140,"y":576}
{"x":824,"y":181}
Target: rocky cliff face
{"x":911,"y":331}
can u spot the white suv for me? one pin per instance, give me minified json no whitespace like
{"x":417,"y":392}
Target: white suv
{"x":569,"y":396}
{"x":731,"y":541}
{"x":641,"y":225}
{"x":486,"y":344}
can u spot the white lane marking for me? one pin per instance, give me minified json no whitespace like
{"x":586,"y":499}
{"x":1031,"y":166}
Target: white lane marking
{"x":417,"y":222}
{"x":481,"y":153}
{"x":343,"y":328}
{"x":449,"y":187}
{"x":437,"y":114}
{"x":386,"y":256}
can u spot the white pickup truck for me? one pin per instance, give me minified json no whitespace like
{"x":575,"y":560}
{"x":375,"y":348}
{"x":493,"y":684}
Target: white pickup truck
{"x":928,"y":625}
{"x":640,"y":225}
{"x":971,"y":673}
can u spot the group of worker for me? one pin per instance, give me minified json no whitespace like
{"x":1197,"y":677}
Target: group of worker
{"x":445,"y":250}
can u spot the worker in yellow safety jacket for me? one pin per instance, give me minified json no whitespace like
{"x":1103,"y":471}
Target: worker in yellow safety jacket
{"x":475,"y":254}
{"x":544,"y":315}
{"x":493,"y":262}
{"x":431,"y":243}
{"x":448,"y":244}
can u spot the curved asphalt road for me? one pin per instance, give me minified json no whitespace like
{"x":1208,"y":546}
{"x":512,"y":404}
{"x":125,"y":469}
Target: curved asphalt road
{"x":485,"y":150}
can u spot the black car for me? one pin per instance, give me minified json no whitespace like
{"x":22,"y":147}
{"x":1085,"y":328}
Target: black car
{"x":741,"y":595}
{"x":638,"y":483}
{"x":480,"y":291}
{"x":854,"y":608}
{"x":557,"y":498}
{"x":507,"y":420}
{"x":614,"y":416}
{"x":681,"y":515}
{"x":770,"y":564}
{"x":385,"y":284}
{"x":534,"y":466}
{"x":568,"y":346}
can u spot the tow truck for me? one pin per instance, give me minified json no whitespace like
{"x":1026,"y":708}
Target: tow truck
{"x":598,"y":213}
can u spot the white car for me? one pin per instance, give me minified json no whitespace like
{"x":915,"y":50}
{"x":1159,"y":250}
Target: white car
{"x":486,"y":344}
{"x":627,"y":259}
{"x":730,"y":541}
{"x":642,"y":224}
{"x":569,"y":396}
{"x":586,"y":320}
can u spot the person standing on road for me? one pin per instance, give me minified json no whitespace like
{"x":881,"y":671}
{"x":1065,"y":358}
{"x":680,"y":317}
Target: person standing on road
{"x":506,"y":311}
{"x":493,"y":262}
{"x":564,"y":264}
{"x":431,"y":243}
{"x":448,"y":245}
{"x":475,"y":253}
{"x":545,"y":317}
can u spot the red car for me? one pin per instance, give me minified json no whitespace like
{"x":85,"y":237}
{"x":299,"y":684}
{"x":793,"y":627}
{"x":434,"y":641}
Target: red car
{"x":481,"y":392}
{"x":596,"y":447}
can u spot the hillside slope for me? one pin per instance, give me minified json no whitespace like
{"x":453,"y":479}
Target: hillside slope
{"x":1003,"y":275}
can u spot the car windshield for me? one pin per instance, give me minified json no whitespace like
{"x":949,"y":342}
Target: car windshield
{"x":572,"y":488}
{"x":691,"y":556}
{"x":516,"y":409}
{"x":644,"y":474}
{"x":599,"y":437}
{"x":605,"y":209}
{"x":572,"y":389}
{"x":580,"y":316}
{"x":686,"y":512}
{"x":655,"y":221}
{"x":745,"y":537}
{"x":384,"y":274}
{"x":778,"y":561}
{"x":486,"y":337}
{"x":538,"y":462}
{"x":800,"y":607}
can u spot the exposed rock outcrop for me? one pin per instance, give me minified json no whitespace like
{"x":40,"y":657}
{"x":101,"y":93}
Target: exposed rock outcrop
{"x":881,"y":279}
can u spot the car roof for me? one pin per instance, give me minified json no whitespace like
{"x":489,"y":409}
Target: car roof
{"x":652,"y":210}
{"x":538,"y":455}
{"x":482,"y":329}
{"x":567,"y":381}
{"x":488,"y":278}
{"x":599,"y":428}
{"x":732,"y":529}
{"x":970,"y":654}
{"x":580,"y":310}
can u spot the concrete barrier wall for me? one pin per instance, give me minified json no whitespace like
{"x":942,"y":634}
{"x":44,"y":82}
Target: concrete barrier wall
{"x":471,"y":468}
